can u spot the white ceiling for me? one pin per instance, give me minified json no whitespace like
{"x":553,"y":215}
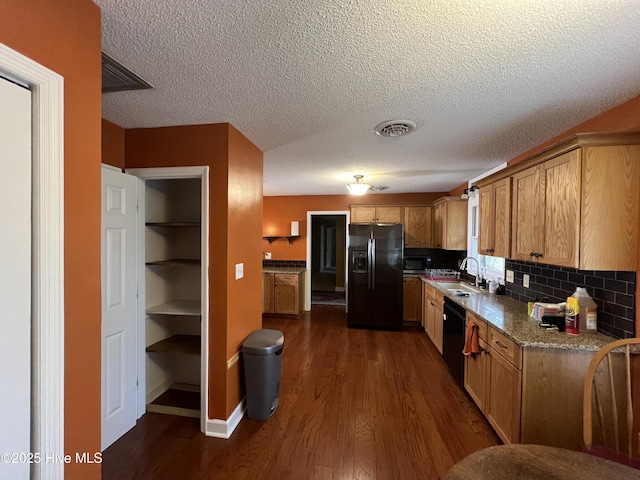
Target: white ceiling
{"x":308,"y":80}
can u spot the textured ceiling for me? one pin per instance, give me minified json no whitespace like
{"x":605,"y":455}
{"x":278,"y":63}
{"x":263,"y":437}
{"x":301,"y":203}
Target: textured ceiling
{"x":308,"y":80}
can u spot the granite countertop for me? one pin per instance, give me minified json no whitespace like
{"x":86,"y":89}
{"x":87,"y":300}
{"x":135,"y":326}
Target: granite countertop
{"x":510,"y":317}
{"x":292,"y":270}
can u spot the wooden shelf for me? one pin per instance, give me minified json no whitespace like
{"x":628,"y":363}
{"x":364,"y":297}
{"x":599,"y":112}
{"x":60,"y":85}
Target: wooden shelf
{"x":176,"y":262}
{"x":180,"y":399}
{"x":172,"y":224}
{"x":290,"y":238}
{"x":176,"y":307}
{"x":188,"y":344}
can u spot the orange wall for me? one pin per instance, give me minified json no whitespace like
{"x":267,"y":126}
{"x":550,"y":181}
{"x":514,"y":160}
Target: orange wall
{"x":235,"y":177}
{"x":64,"y":36}
{"x":279,"y":212}
{"x":112,"y":144}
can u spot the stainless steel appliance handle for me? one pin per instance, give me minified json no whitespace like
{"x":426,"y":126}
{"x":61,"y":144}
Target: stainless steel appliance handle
{"x":373,"y":263}
{"x":369,"y":245}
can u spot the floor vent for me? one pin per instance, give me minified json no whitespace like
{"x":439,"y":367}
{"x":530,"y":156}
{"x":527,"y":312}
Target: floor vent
{"x":117,"y":78}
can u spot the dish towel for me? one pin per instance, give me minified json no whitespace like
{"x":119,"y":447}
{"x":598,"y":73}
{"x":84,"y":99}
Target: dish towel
{"x":472,"y":343}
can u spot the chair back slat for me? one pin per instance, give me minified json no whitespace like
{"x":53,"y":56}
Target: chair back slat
{"x":614,"y":404}
{"x":627,"y":355}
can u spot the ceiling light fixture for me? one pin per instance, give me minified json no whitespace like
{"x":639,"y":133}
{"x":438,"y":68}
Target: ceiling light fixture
{"x":358,"y":187}
{"x":395,"y":128}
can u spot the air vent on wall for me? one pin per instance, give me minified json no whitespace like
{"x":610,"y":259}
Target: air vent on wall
{"x":117,"y":78}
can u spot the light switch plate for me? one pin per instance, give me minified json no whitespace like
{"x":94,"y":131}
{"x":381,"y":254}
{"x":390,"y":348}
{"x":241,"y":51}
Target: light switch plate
{"x":510,"y":276}
{"x":239,"y":270}
{"x":525,"y":281}
{"x":267,"y":255}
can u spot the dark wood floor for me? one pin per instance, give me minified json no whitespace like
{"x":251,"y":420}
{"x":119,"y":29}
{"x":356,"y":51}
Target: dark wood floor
{"x":354,"y":404}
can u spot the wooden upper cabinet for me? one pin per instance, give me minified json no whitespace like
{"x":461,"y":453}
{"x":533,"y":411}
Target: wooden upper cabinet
{"x":381,"y":214}
{"x":527,"y":214}
{"x":561,"y":235}
{"x":494,"y":236}
{"x":579,"y":209}
{"x":418,"y":227}
{"x":363,"y":214}
{"x":546,"y":211}
{"x":610,"y":208}
{"x":450,"y":223}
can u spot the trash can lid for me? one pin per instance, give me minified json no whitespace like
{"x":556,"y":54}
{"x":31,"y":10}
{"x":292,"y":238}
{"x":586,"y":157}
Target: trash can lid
{"x":263,"y":342}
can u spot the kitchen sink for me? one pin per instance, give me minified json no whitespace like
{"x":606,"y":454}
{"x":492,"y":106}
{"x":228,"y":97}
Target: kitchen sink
{"x":458,"y":288}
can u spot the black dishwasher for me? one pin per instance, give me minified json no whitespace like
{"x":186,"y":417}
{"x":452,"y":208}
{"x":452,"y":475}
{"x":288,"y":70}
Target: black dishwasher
{"x":453,"y":339}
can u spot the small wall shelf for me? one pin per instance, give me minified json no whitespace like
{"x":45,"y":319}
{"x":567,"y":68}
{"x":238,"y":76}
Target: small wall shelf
{"x":290,"y":238}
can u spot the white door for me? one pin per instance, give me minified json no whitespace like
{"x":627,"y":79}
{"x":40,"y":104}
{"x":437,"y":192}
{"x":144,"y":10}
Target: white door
{"x":119,"y":304}
{"x":15,"y":278}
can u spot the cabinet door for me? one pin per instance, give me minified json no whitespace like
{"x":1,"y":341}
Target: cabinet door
{"x":418,"y":227}
{"x":363,"y":214}
{"x":561,"y":180}
{"x":610,"y":207}
{"x":455,"y":225}
{"x":486,"y":221}
{"x":438,"y":225}
{"x":286,"y":299}
{"x":438,"y":323}
{"x":267,"y":293}
{"x":504,"y":398}
{"x":476,"y":369}
{"x":528,"y":217}
{"x":501,"y":218}
{"x":389,"y":214}
{"x":411,"y":299}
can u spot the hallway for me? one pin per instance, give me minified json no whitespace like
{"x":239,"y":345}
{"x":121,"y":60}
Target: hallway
{"x":353,"y":404}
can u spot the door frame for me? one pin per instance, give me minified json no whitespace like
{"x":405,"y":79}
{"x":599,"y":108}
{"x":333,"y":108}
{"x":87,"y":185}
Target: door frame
{"x":307,"y":273}
{"x":164,"y":173}
{"x":47,"y":317}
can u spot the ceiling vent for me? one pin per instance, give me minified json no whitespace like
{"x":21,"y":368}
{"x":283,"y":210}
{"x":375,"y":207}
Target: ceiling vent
{"x":395,"y":128}
{"x":118,"y":78}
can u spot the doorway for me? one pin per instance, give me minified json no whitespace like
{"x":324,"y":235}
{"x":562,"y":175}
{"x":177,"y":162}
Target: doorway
{"x":47,"y":253}
{"x":326,"y":258}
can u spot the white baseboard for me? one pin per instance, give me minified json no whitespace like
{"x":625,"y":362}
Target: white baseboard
{"x":224,"y":428}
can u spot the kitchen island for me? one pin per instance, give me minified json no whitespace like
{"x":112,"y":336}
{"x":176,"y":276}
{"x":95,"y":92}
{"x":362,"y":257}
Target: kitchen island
{"x":528,"y":381}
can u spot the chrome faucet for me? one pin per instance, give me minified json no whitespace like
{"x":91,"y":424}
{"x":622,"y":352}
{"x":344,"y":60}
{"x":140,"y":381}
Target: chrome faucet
{"x":463,"y":265}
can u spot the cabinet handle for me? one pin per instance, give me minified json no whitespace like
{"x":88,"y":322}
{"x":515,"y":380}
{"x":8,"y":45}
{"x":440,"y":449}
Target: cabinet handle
{"x":501,"y":345}
{"x":532,"y":254}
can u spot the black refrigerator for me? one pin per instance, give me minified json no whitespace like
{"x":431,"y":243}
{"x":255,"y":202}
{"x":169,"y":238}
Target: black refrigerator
{"x":375,"y":275}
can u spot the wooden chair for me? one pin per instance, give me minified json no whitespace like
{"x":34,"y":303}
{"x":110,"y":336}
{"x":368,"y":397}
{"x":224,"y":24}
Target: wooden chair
{"x":611,"y":421}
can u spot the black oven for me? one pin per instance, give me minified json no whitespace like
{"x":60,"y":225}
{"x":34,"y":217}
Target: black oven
{"x":453,"y":339}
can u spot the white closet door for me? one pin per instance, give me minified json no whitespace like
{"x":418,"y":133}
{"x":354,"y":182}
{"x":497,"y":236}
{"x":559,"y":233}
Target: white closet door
{"x":119,"y":304}
{"x":15,"y":278}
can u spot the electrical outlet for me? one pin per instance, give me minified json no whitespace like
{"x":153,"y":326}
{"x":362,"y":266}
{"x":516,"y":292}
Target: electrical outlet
{"x":510,"y":276}
{"x":239,"y":270}
{"x":267,"y":255}
{"x":525,"y":281}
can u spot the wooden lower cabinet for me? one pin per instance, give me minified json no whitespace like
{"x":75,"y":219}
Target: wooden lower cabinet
{"x":432,"y":307}
{"x":412,"y":299}
{"x":284,"y":294}
{"x":528,"y":394}
{"x":504,"y":397}
{"x":476,"y":373}
{"x":267,"y":292}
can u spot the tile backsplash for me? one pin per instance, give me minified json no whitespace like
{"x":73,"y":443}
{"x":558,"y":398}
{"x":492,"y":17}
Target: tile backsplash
{"x":285,"y":263}
{"x":613,"y":292}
